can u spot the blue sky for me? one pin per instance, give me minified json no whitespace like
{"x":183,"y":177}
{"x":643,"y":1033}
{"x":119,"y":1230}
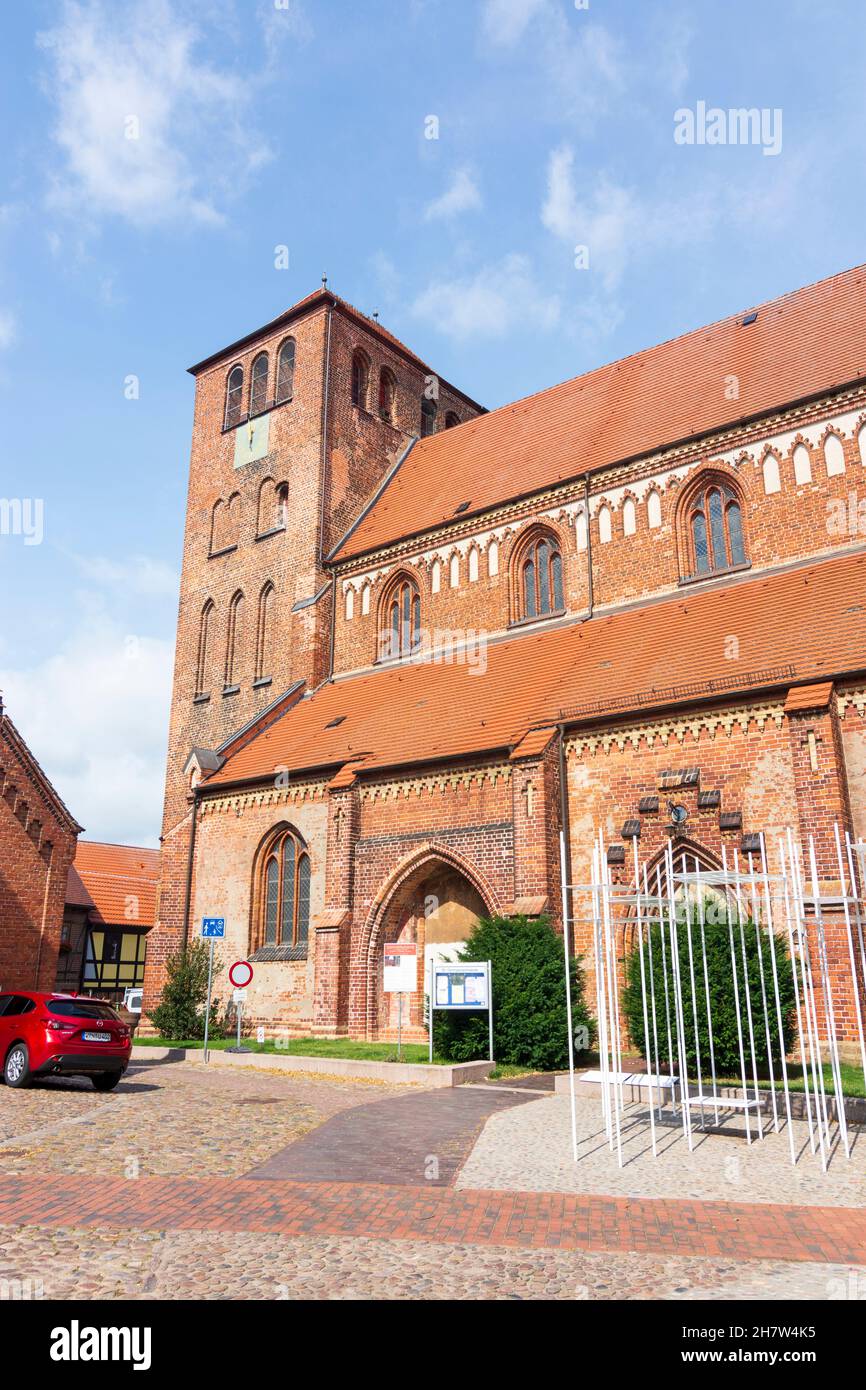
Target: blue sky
{"x":261,"y":124}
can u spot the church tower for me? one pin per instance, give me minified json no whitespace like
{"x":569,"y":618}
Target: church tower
{"x":295,"y":426}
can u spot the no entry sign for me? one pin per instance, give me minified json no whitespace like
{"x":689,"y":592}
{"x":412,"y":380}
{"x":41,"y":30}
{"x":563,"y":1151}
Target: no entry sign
{"x":240,"y":974}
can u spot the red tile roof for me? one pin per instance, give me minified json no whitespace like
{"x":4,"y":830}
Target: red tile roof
{"x":76,"y":893}
{"x":800,"y":345}
{"x":122,"y":881}
{"x":809,"y":697}
{"x":804,"y":619}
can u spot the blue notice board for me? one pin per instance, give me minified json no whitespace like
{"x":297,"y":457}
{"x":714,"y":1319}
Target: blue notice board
{"x":460,"y":986}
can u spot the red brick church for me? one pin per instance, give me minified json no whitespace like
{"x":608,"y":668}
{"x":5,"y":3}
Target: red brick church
{"x":416,"y":638}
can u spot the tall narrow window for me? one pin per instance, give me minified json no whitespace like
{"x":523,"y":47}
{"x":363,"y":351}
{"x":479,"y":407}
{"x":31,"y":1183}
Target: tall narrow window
{"x":233,"y":630}
{"x":473,"y":564}
{"x":259,"y":384}
{"x":387,"y":390}
{"x":284,"y":892}
{"x":234,"y":396}
{"x":428,"y":417}
{"x":201,"y":668}
{"x":834,"y":455}
{"x":493,"y":558}
{"x":772,"y":474}
{"x":360,"y":379}
{"x":605,"y":529}
{"x":715,"y":529}
{"x":285,"y":372}
{"x":629,"y":517}
{"x":400,"y":626}
{"x":540,"y":572}
{"x":653,"y":509}
{"x":263,"y":632}
{"x":802,"y":465}
{"x":217,"y":526}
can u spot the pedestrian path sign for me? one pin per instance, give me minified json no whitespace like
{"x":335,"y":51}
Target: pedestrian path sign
{"x":213,"y":927}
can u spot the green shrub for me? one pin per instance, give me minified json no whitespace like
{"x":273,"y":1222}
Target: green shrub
{"x":181,"y":1010}
{"x":530,"y":1025}
{"x":721,"y":992}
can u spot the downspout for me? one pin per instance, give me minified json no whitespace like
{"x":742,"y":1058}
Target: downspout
{"x":189,"y":867}
{"x":589,"y":596}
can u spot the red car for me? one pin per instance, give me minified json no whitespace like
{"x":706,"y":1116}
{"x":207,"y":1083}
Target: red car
{"x":61,"y":1034}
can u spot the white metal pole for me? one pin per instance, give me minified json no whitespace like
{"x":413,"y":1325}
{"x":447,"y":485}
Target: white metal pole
{"x":688,"y":907}
{"x":563,"y":871}
{"x":829,"y":1011}
{"x":490,"y":1008}
{"x":646,"y":1032}
{"x":649,"y":939}
{"x":679,"y":1018}
{"x":702,"y":925}
{"x":734,"y":972}
{"x":801,"y":1041}
{"x":748,"y":988}
{"x":430,"y":1008}
{"x":672,"y":1070}
{"x":756,"y":919}
{"x":811,"y":1008}
{"x":771,"y":933}
{"x":854,"y":982}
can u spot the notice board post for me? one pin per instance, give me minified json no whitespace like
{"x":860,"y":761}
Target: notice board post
{"x":468,"y":985}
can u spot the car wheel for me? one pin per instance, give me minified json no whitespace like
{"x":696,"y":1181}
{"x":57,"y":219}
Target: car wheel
{"x":106,"y":1080}
{"x":16,"y":1072}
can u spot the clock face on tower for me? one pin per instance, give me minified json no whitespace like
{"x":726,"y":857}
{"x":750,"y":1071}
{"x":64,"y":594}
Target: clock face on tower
{"x":679,"y":814}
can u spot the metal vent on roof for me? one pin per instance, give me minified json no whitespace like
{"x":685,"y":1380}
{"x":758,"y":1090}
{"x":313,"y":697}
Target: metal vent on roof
{"x":461,"y":508}
{"x":334,"y":722}
{"x":750,"y":318}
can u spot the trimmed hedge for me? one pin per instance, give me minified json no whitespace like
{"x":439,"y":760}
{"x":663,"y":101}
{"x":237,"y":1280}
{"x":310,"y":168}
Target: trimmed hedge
{"x":530,"y":1027}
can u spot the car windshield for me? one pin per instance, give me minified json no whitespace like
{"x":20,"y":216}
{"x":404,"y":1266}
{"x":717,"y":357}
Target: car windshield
{"x":81,"y":1008}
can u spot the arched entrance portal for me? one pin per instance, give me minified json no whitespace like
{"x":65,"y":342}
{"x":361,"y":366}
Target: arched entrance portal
{"x":436,"y":906}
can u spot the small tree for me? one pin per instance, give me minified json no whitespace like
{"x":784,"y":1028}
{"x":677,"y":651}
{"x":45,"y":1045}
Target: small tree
{"x":720,"y":976}
{"x":181,"y":1010}
{"x":530,"y":1023}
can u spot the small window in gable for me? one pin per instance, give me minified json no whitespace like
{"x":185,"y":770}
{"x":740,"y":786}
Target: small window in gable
{"x":493,"y":558}
{"x":454,"y":571}
{"x":772,"y":476}
{"x":473,"y":564}
{"x":629,"y":517}
{"x":654,"y":509}
{"x":259,"y":384}
{"x":802,"y":465}
{"x":436,"y":577}
{"x":834,"y":455}
{"x":605,"y":531}
{"x":234,"y":396}
{"x":285,"y":372}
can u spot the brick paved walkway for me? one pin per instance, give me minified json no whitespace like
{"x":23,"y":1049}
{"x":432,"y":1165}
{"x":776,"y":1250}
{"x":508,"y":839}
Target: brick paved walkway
{"x":536,"y":1220}
{"x":420,"y":1139}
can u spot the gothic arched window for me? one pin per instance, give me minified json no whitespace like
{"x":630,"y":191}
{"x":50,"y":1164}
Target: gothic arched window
{"x":285,"y":372}
{"x":540,"y":577}
{"x":259,"y":384}
{"x":387,"y":389}
{"x":284,"y":892}
{"x":714,"y":523}
{"x":232,"y":639}
{"x":400,"y":620}
{"x":360,"y":378}
{"x":428,"y":417}
{"x":263,"y":632}
{"x":234,"y":396}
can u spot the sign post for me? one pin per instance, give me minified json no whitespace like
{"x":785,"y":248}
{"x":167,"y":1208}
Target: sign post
{"x":467,"y":985}
{"x":212,"y":929}
{"x":400,"y":976}
{"x":240,"y":974}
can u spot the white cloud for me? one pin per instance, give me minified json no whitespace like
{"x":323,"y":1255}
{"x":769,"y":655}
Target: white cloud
{"x":495,"y":300}
{"x":95,"y":715}
{"x":504,"y":21}
{"x":461,"y":196}
{"x":139,"y":575}
{"x":7,"y":328}
{"x":147,"y":130}
{"x":609,"y":221}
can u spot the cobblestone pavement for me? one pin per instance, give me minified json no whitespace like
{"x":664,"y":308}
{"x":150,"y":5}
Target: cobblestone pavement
{"x":168,"y":1119}
{"x":177,"y":1120}
{"x":107,"y":1264}
{"x":528,"y":1148}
